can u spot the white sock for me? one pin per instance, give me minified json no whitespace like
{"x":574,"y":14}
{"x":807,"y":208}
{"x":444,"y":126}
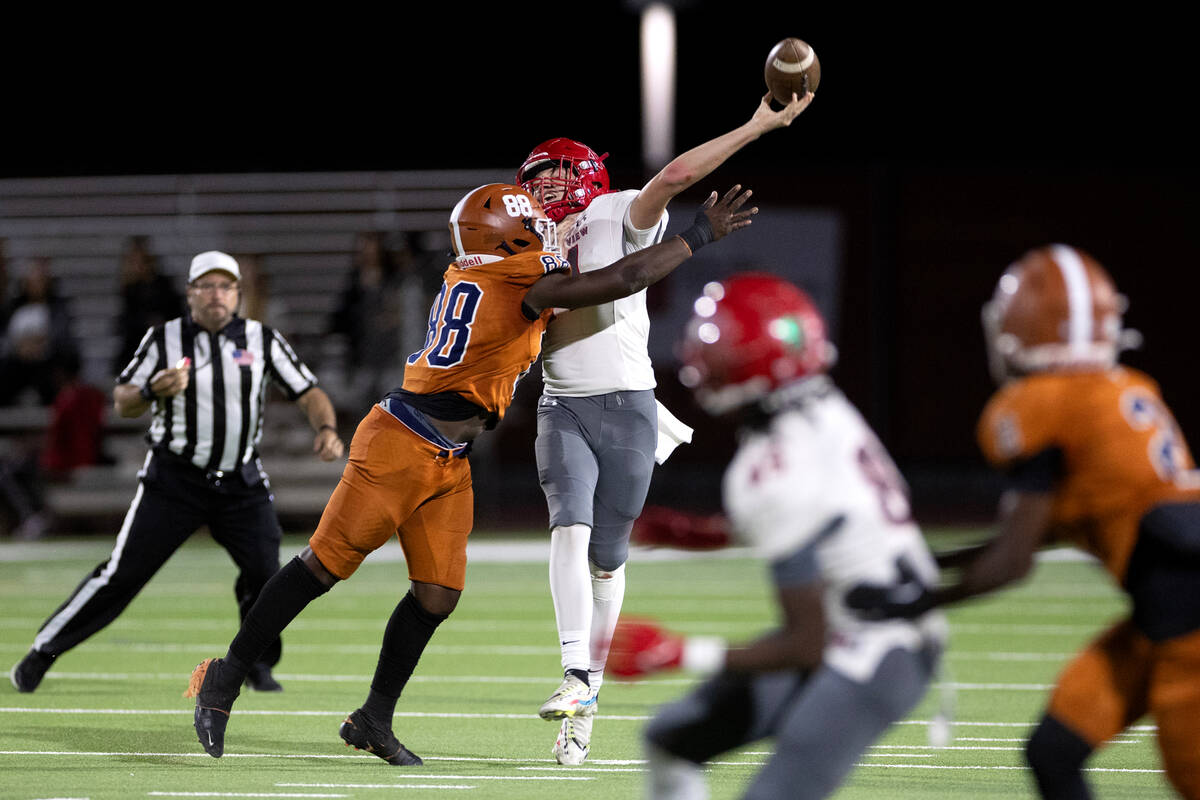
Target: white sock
{"x":571,"y":593}
{"x":608,"y":591}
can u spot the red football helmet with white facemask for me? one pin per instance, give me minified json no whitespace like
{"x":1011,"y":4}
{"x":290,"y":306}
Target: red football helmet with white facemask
{"x":499,"y":220}
{"x":751,"y":335}
{"x":565,"y":175}
{"x":1054,"y":308}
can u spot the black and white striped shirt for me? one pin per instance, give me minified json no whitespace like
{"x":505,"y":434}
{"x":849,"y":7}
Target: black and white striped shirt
{"x":217,"y":422}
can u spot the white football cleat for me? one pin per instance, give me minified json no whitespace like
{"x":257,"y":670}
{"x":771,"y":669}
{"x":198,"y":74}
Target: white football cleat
{"x":574,"y":740}
{"x":573,"y":698}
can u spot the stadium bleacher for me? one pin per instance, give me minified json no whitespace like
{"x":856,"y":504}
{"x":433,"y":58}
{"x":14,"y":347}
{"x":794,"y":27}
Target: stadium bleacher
{"x":301,"y":227}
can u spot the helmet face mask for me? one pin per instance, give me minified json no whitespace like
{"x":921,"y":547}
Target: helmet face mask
{"x":499,"y":220}
{"x":564,"y":175}
{"x":1056,"y":308}
{"x":752,"y":337}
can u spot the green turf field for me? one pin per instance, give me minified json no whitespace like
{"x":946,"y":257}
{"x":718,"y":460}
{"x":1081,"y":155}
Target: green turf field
{"x":109,"y":721}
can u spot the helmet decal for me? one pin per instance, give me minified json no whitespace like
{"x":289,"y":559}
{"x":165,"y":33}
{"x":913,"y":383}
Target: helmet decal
{"x":498,"y":220}
{"x":751,"y":337}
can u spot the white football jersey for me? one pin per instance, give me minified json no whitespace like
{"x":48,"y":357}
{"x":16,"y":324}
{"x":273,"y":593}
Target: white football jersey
{"x":601,"y":349}
{"x":817,"y":479}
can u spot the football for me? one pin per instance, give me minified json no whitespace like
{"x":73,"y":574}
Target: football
{"x":792,"y":66}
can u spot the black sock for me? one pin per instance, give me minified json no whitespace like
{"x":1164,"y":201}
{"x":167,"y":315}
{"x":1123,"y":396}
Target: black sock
{"x":582,"y":674}
{"x":1056,"y":754}
{"x":407,"y":633}
{"x":283,"y":597}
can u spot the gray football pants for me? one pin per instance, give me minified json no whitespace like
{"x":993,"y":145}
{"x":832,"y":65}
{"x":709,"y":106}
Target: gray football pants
{"x":822,"y":723}
{"x":595,"y":456}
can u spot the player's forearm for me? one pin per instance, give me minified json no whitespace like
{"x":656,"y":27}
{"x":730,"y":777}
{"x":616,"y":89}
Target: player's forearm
{"x":995,"y":566}
{"x":628,"y":276}
{"x":779,"y":650}
{"x":646,"y":267}
{"x":684,"y":171}
{"x":959,"y":557}
{"x":701,"y":160}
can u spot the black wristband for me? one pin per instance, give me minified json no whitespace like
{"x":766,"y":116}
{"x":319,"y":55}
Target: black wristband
{"x":148,"y":393}
{"x":327,"y":425}
{"x":700,"y":234}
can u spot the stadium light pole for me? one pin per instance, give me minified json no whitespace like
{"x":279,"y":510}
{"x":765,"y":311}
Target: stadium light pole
{"x":658,"y":85}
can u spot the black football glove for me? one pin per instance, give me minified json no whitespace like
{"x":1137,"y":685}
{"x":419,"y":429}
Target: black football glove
{"x":877,"y":603}
{"x":907,"y":599}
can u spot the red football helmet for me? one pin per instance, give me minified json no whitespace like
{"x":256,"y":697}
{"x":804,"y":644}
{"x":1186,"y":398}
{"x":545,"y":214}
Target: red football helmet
{"x":496,"y":221}
{"x":1054,"y":308}
{"x":751,"y":334}
{"x":581,"y":178}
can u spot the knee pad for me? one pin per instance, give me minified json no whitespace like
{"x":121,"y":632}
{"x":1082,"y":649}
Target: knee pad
{"x":608,"y":556}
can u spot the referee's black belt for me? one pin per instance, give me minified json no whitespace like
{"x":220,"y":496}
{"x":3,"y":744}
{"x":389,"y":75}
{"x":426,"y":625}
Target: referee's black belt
{"x":248,"y":473}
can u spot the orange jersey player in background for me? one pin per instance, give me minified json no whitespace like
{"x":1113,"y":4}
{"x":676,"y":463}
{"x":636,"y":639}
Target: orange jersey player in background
{"x":407,"y":473}
{"x":1094,"y":459}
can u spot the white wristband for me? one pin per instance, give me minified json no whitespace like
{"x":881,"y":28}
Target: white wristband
{"x":704,"y":654}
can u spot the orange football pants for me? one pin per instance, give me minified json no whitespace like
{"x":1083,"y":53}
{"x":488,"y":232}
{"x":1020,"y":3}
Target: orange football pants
{"x":397,"y":483}
{"x":1122,"y":676}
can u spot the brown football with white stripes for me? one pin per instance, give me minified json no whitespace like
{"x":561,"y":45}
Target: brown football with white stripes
{"x":792,"y":66}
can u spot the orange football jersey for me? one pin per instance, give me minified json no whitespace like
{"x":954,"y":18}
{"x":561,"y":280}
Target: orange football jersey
{"x":479,"y":342}
{"x":1122,"y":452}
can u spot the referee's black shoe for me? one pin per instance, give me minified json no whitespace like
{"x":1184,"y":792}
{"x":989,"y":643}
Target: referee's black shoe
{"x":366,"y":733}
{"x":260,"y":679}
{"x":27,"y":673}
{"x":213,"y":705}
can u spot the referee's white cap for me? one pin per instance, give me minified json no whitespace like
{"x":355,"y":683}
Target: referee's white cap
{"x":213,"y":260}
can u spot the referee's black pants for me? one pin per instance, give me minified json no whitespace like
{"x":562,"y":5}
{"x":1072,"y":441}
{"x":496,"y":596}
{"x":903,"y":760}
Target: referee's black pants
{"x":173,"y":500}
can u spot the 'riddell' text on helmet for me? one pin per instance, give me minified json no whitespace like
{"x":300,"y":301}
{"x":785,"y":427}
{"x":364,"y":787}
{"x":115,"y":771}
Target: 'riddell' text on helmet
{"x":496,"y":221}
{"x":564,"y":175}
{"x":751,"y":335}
{"x":1054,"y":308}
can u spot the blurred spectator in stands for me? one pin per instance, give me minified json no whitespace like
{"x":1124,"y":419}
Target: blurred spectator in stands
{"x":38,"y":339}
{"x":147,"y":298}
{"x":384,"y":298}
{"x":75,"y":437}
{"x":3,"y":285}
{"x":257,"y":300}
{"x":21,"y":500}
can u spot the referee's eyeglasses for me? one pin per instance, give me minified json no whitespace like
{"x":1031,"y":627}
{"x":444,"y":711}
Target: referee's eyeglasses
{"x":224,"y":287}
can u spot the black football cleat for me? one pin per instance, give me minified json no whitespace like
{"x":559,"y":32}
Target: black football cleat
{"x":27,"y":673}
{"x":260,"y":679}
{"x":213,"y":706}
{"x":364,"y":733}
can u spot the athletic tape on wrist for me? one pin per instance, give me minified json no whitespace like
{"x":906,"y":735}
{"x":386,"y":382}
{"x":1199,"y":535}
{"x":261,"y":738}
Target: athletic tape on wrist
{"x":700,"y":234}
{"x":704,"y":654}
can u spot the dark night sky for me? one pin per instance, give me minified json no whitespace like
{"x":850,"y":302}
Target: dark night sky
{"x":479,"y":88}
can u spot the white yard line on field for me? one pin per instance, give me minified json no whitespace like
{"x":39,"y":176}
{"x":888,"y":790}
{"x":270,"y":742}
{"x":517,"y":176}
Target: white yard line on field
{"x":597,"y":768}
{"x":247,"y":794}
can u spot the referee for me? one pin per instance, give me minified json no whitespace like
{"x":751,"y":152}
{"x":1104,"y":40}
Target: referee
{"x":206,"y":376}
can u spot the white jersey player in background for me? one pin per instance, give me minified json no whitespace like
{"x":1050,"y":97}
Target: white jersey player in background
{"x":599,"y":425}
{"x":816,"y":495}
